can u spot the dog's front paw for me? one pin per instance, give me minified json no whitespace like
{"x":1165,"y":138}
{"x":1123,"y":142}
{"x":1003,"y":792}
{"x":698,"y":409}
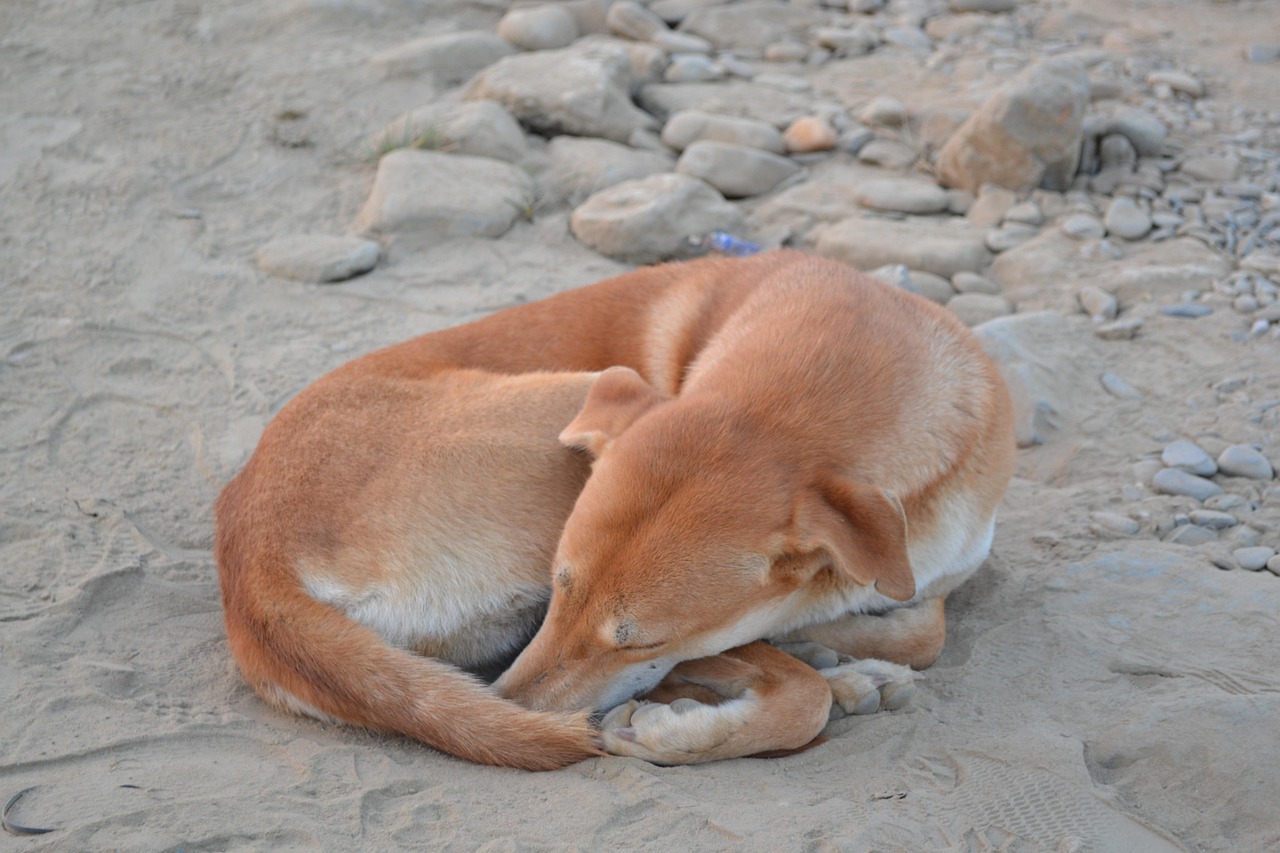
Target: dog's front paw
{"x":869,"y":685}
{"x":684,"y":732}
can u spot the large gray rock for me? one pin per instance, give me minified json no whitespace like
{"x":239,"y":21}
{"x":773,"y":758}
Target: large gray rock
{"x":689,"y":126}
{"x":450,"y":58}
{"x":1026,"y":135}
{"x":318,"y":257}
{"x":437,"y":196}
{"x":579,"y":167}
{"x":937,"y":248}
{"x":479,"y":128}
{"x":735,"y":170}
{"x":583,"y":91}
{"x":653,"y":219}
{"x":748,"y":26}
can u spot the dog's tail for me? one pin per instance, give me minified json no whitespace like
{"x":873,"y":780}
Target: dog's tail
{"x":308,"y":657}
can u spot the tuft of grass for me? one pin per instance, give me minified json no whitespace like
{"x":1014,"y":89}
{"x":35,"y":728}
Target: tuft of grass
{"x":429,"y":138}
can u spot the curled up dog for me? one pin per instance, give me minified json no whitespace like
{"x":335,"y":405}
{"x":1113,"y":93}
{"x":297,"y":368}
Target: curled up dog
{"x":627,"y":487}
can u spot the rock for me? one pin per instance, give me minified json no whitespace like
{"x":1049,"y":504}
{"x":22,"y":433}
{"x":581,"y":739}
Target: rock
{"x":735,"y":170}
{"x":480,"y":129}
{"x":450,"y":59}
{"x":974,"y":309}
{"x":982,"y":5}
{"x":1262,"y":52}
{"x":868,"y":243}
{"x":689,"y":126}
{"x":543,"y":27}
{"x":749,"y":26}
{"x":1097,"y":303}
{"x":1241,"y":460}
{"x":730,"y":98}
{"x":1188,"y":456}
{"x":1171,"y":481}
{"x":971,"y":282}
{"x":991,"y":205}
{"x":1119,"y":330}
{"x":1117,"y":387}
{"x":786,"y":51}
{"x":935,"y":288}
{"x":1025,"y":213}
{"x":633,"y":21}
{"x":904,"y":195}
{"x":1273,"y":565}
{"x":1178,"y":81}
{"x":1025,"y":135}
{"x":1112,"y":524}
{"x":580,"y":166}
{"x":1187,"y":310}
{"x":1213,"y":519}
{"x":693,"y":68}
{"x":1218,"y":169}
{"x":1143,"y":130}
{"x":1253,"y":559}
{"x":583,"y":91}
{"x":1083,"y":226}
{"x":808,"y":134}
{"x":1191,"y":535}
{"x":437,"y":196}
{"x":672,"y":42}
{"x":884,"y":110}
{"x":887,"y":154}
{"x":865,"y":7}
{"x":1126,"y":220}
{"x":653,"y":219}
{"x":318,"y":257}
{"x":913,"y":38}
{"x":1009,"y":236}
{"x":847,"y":41}
{"x":1116,"y":151}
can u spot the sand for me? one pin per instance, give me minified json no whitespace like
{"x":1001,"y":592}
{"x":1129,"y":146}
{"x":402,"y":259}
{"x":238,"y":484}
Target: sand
{"x":1095,"y":694}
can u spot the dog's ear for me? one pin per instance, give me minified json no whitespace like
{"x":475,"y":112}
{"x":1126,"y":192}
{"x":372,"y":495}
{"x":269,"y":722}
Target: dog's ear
{"x":617,"y":397}
{"x":863,"y":529}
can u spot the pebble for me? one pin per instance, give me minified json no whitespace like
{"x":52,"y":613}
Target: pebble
{"x":689,"y":126}
{"x":318,"y":257}
{"x":903,"y":195}
{"x":1116,"y":151}
{"x":580,"y":166}
{"x":1253,"y":559}
{"x":1212,"y":168}
{"x":1187,"y":310}
{"x":867,"y":243}
{"x":737,"y":171}
{"x":478,"y":128}
{"x":808,"y":134}
{"x":1213,"y":519}
{"x":1083,"y":226}
{"x":1119,"y":330}
{"x":982,"y":5}
{"x":1241,"y":460}
{"x":974,"y":309}
{"x":972,"y":282}
{"x":652,"y":219}
{"x":1110,"y":523}
{"x":543,"y":27}
{"x":1191,"y":535}
{"x":1118,"y":388}
{"x":887,"y":154}
{"x":935,"y":288}
{"x":908,"y":37}
{"x":693,"y":68}
{"x":786,"y":51}
{"x":856,"y":41}
{"x":633,"y":21}
{"x":1125,"y":219}
{"x":670,"y":41}
{"x":1098,"y":303}
{"x":1009,"y":236}
{"x":1171,"y":481}
{"x":884,"y":110}
{"x":1178,"y":81}
{"x":1145,"y":131}
{"x":1025,"y":213}
{"x":1262,"y":52}
{"x":1186,"y":455}
{"x":991,"y":206}
{"x":1273,"y":565}
{"x":433,"y":195}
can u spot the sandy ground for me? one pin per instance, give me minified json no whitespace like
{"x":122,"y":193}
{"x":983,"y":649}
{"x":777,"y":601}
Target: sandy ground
{"x":1094,"y":694}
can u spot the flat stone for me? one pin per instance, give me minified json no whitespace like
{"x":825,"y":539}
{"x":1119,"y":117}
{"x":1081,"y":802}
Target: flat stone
{"x":1145,"y":132}
{"x":1191,"y":535}
{"x":887,"y":154}
{"x":1186,"y":455}
{"x":654,"y":219}
{"x":974,"y":309}
{"x":583,"y":91}
{"x":693,"y":68}
{"x":1171,"y":481}
{"x":1187,"y":310}
{"x":768,"y":104}
{"x":1009,"y":236}
{"x":480,"y":129}
{"x":1178,"y":81}
{"x":543,"y":27}
{"x":1118,"y":387}
{"x":1097,"y":303}
{"x":437,"y":196}
{"x":1027,"y":134}
{"x":1253,"y":559}
{"x":452,"y":58}
{"x":1083,"y":226}
{"x":982,"y":5}
{"x":1112,"y":524}
{"x":1119,"y":330}
{"x":689,"y":126}
{"x":1241,"y":460}
{"x":935,"y":288}
{"x":1213,"y":519}
{"x":847,"y":41}
{"x":868,"y":243}
{"x":1125,"y":219}
{"x":884,"y":110}
{"x":990,"y":206}
{"x":318,"y":257}
{"x":1025,"y":213}
{"x":633,"y":21}
{"x":735,"y":170}
{"x":580,"y":166}
{"x":972,"y":282}
{"x":904,"y":195}
{"x":1211,"y":168}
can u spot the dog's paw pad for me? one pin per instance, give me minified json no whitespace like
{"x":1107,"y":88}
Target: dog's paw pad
{"x":816,"y":655}
{"x":684,"y":732}
{"x":869,"y":685}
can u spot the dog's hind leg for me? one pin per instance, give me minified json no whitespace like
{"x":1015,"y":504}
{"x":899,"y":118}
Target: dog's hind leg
{"x":750,"y":700}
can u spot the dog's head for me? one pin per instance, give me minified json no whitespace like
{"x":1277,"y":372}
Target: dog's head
{"x":697,"y":531}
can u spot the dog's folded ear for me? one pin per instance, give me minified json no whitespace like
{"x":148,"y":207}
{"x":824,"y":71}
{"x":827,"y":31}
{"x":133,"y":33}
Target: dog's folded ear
{"x":864,"y":530}
{"x":617,"y":398}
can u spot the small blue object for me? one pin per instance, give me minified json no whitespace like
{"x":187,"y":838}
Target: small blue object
{"x":727,"y":244}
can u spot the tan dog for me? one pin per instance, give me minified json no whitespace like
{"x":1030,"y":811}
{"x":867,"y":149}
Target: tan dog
{"x":782,"y":446}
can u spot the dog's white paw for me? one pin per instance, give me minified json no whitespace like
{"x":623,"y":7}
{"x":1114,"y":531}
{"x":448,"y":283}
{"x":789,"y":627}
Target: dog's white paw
{"x":684,"y":732}
{"x":870,"y":685}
